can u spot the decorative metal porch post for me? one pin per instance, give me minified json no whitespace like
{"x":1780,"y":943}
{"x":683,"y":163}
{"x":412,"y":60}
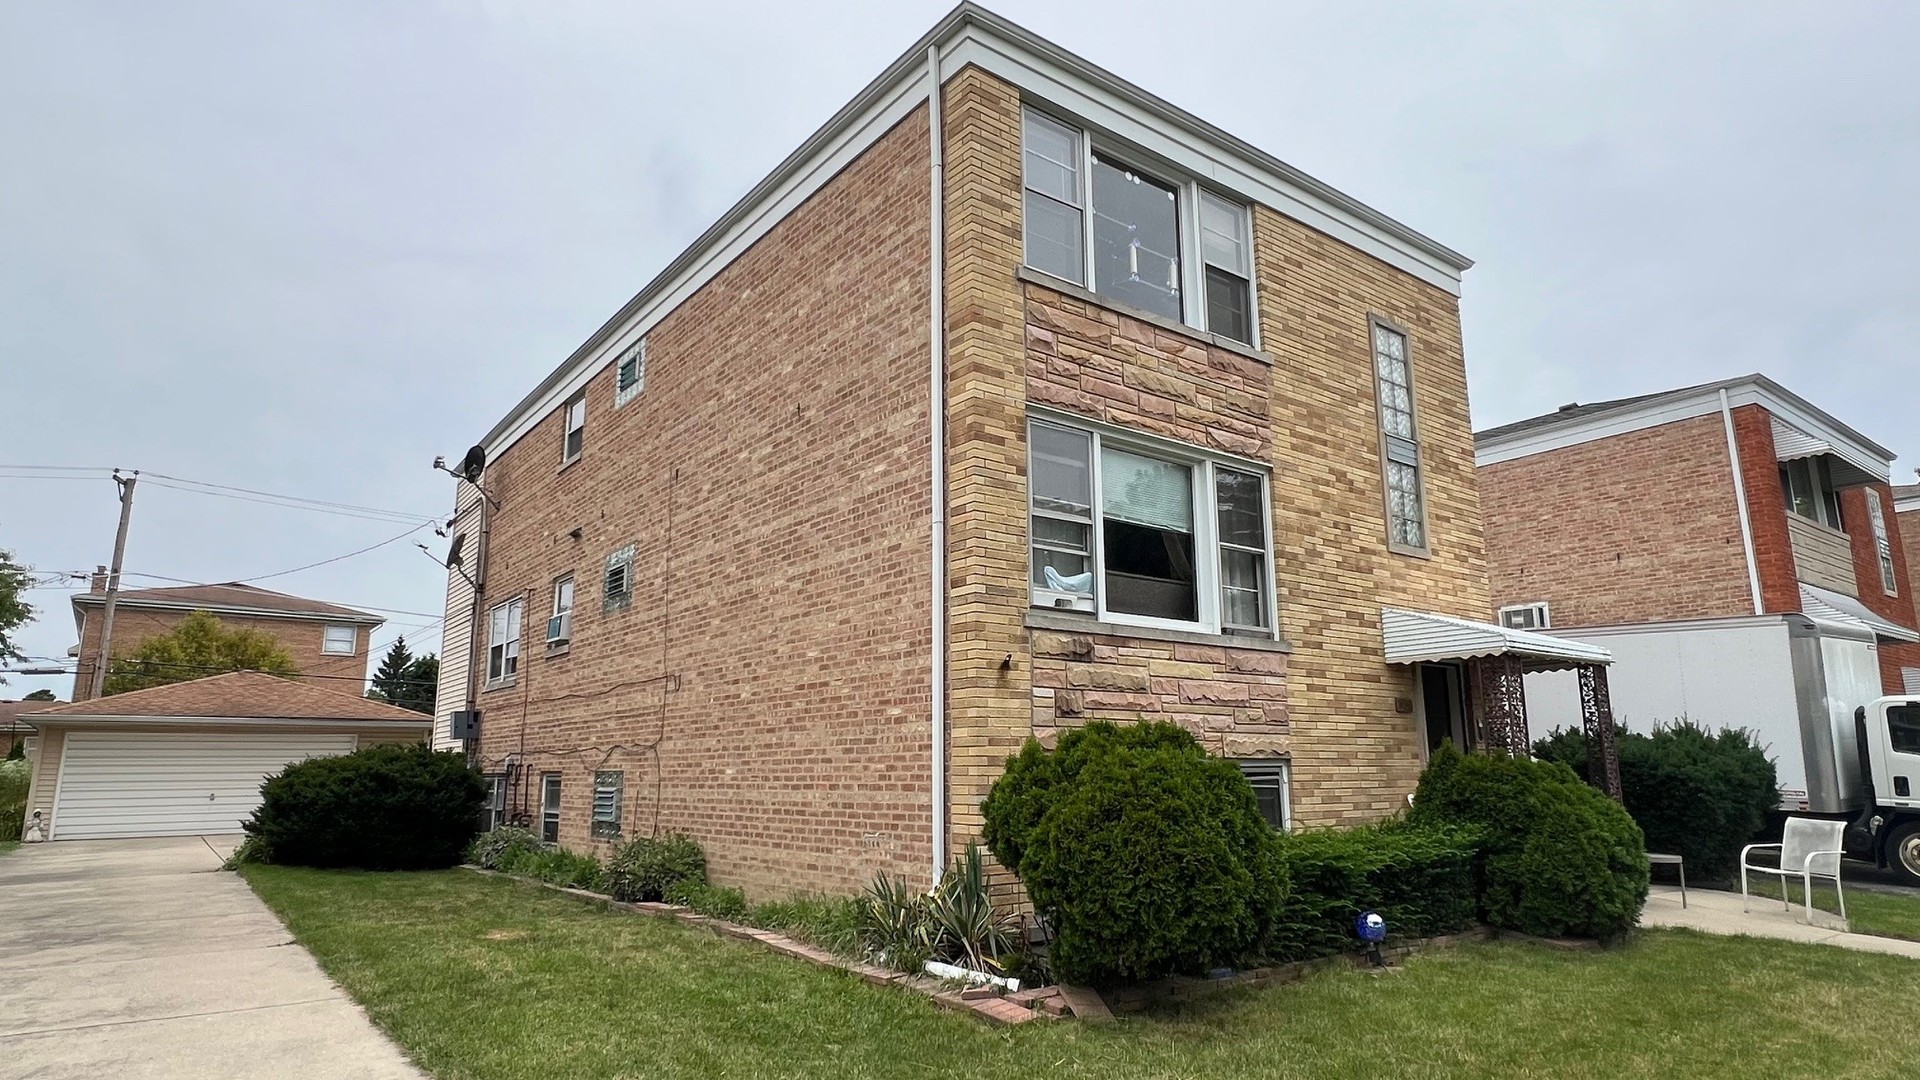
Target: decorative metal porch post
{"x":1596,"y":712}
{"x":1500,"y":691}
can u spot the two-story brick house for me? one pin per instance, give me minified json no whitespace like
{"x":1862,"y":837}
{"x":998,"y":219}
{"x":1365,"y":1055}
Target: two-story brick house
{"x":324,"y":640}
{"x":1906,"y":513}
{"x":1015,"y":398}
{"x":1733,"y":545}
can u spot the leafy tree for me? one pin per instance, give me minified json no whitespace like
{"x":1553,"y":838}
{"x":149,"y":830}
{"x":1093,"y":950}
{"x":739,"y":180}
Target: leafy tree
{"x":40,"y":695}
{"x":15,"y":612}
{"x":389,"y":682}
{"x":200,"y":646}
{"x":422,"y":685}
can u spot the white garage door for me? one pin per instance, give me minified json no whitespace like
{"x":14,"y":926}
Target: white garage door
{"x":171,"y":784}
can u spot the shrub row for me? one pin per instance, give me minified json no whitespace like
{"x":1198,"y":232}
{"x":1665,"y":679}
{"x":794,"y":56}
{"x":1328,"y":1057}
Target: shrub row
{"x":1698,"y":794}
{"x":648,"y":868}
{"x":1418,"y":877}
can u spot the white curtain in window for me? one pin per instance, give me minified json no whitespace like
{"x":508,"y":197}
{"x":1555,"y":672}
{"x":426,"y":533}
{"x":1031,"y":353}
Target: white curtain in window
{"x":1146,"y":491}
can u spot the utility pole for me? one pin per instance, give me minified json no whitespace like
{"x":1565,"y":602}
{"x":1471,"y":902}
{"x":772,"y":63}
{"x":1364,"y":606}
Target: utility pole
{"x":102,"y":661}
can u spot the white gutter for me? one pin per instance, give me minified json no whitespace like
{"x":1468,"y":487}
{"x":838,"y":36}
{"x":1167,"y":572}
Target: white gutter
{"x":937,"y":440}
{"x":1740,"y":496}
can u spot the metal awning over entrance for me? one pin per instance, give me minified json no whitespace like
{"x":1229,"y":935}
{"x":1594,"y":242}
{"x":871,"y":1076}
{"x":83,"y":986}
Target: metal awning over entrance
{"x":1850,"y":467}
{"x":1418,"y":637}
{"x":1496,"y":660}
{"x":1826,"y":606}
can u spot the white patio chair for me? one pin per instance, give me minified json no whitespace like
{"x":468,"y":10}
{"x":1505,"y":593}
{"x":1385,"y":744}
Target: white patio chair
{"x":1810,"y":848}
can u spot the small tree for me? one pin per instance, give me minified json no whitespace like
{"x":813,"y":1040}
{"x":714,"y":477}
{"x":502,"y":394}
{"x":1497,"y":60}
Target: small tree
{"x":390,"y":679}
{"x":15,"y":612}
{"x":40,"y":695}
{"x":200,"y":646}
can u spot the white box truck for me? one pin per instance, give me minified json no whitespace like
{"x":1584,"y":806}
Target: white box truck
{"x":1809,"y":690}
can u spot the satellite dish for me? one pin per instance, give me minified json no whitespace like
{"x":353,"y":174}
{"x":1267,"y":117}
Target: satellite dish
{"x":474,"y":464}
{"x":453,"y":552}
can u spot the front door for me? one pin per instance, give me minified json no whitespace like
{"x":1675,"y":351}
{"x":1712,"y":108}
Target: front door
{"x":1442,"y":705}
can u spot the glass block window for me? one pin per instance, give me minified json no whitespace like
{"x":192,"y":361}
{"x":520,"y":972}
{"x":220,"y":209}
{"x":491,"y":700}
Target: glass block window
{"x":616,"y":590}
{"x":631,"y":374}
{"x":609,"y":786}
{"x":1882,"y":546}
{"x":1406,"y":509}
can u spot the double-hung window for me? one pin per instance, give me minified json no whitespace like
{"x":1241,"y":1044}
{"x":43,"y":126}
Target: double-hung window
{"x":1882,"y":546}
{"x":550,"y":807}
{"x":560,"y":623}
{"x":630,"y":375}
{"x":339,"y":640}
{"x":1160,"y":244}
{"x":494,"y":814}
{"x":1155,"y":533}
{"x":608,"y":787}
{"x":576,"y":436}
{"x":1400,"y":440}
{"x":503,"y":641}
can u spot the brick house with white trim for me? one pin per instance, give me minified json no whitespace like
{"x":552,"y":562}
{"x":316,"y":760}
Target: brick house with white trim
{"x":991,"y":411}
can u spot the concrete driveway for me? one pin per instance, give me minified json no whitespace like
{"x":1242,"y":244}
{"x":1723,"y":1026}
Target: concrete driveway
{"x":140,"y":958}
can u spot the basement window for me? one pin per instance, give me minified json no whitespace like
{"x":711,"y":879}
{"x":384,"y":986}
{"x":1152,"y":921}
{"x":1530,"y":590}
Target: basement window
{"x":608,"y":787}
{"x":1145,"y":531}
{"x":1147,"y":239}
{"x":1272,"y":780}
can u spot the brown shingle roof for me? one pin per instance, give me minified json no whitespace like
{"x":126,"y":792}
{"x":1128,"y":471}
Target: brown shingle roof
{"x":10,"y":710}
{"x":236,"y":695}
{"x":232,"y":594}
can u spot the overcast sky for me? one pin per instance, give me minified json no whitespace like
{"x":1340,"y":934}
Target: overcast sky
{"x":305,"y":248}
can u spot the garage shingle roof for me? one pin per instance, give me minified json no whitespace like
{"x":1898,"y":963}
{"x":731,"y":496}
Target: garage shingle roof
{"x":236,"y":695}
{"x":231,"y":595}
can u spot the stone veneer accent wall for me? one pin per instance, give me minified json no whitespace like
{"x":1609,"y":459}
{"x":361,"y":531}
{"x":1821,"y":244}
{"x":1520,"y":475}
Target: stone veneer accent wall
{"x":1233,"y":700}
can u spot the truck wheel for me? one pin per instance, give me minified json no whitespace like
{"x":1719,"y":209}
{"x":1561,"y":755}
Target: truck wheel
{"x":1903,"y":851}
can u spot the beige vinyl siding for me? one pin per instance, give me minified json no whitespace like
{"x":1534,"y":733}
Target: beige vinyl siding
{"x":46,"y":772}
{"x":456,"y":631}
{"x":1822,"y":556}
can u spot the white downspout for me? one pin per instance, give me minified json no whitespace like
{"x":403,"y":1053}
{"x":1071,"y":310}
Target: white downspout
{"x":937,"y":438}
{"x":1740,"y":496}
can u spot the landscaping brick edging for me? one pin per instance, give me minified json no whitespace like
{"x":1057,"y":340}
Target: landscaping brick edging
{"x":1015,"y":1008}
{"x":1024,"y":1005}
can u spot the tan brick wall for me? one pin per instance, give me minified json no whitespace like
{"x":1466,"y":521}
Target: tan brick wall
{"x":1639,"y":527}
{"x":1311,"y":416}
{"x":302,"y":639}
{"x":767,"y":691}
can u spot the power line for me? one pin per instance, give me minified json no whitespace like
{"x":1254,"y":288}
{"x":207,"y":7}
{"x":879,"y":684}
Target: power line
{"x":208,"y":487}
{"x":337,"y":558}
{"x":125,"y":666}
{"x":300,"y":499}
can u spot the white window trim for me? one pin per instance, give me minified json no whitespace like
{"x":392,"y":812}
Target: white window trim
{"x":496,"y":800}
{"x":1206,"y":528}
{"x":565,"y":629}
{"x":567,"y":429}
{"x":596,"y":823}
{"x":637,"y":352}
{"x":516,"y":614}
{"x":1285,"y":766}
{"x":550,"y":810}
{"x":1542,"y":615}
{"x":1424,"y":549}
{"x":1193,"y":274}
{"x":326,"y":640}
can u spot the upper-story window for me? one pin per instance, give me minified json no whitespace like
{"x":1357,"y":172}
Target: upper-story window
{"x":1807,"y":484}
{"x":339,"y":640}
{"x":616,"y":583}
{"x":576,"y":437}
{"x":560,"y":623}
{"x":503,"y":641}
{"x":1400,"y":440}
{"x":1139,"y":530}
{"x":1154,"y":242}
{"x":630,"y":375}
{"x":1882,"y":546}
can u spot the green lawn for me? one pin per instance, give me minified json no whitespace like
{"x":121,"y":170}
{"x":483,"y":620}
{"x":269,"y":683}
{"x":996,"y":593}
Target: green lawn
{"x":488,"y":977}
{"x":1881,"y":914}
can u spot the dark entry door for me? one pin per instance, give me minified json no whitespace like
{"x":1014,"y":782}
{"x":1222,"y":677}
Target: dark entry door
{"x":1443,"y":706}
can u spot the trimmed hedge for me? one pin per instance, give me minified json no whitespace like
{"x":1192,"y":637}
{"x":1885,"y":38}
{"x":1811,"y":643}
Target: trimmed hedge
{"x":1698,"y":794}
{"x":1420,"y":877}
{"x":1147,"y":855}
{"x":1559,"y":858}
{"x":392,"y":807}
{"x":646,"y":868}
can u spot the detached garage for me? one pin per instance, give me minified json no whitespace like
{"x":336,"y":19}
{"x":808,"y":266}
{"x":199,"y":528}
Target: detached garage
{"x":188,"y":759}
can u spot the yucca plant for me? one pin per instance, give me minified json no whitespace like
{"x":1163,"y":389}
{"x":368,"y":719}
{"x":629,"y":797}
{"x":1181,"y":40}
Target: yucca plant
{"x":894,"y":923}
{"x":962,"y":912}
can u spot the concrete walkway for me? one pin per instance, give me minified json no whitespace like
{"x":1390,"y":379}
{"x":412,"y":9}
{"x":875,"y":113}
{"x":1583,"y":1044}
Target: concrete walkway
{"x":140,"y":958}
{"x":1714,"y":912}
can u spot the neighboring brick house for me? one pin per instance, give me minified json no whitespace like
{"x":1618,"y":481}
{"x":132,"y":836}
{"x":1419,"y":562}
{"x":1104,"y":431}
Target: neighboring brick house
{"x":1097,"y":412}
{"x":1906,"y":512}
{"x":13,"y":732}
{"x":1698,"y":533}
{"x":324,"y":640}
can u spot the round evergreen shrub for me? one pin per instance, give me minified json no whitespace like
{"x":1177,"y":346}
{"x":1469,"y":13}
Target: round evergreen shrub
{"x":392,"y":807}
{"x":646,"y":867}
{"x":1559,"y":858}
{"x":1695,"y":793}
{"x":1147,"y":855}
{"x":492,"y":848}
